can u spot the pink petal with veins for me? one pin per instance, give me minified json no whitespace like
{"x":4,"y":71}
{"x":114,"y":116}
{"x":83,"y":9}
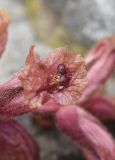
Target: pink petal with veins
{"x":103,"y":64}
{"x":104,"y":46}
{"x":16,"y":143}
{"x":11,"y":99}
{"x":83,"y":128}
{"x":102,"y":107}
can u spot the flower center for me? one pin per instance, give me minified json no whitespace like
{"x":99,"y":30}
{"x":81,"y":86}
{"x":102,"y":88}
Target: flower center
{"x":59,"y":80}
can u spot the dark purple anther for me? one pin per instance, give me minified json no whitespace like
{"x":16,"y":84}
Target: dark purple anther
{"x":62,"y":79}
{"x":61,"y":69}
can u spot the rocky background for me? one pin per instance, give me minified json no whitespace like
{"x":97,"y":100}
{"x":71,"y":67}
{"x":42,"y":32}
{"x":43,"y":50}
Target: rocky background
{"x":87,"y":20}
{"x":48,"y":24}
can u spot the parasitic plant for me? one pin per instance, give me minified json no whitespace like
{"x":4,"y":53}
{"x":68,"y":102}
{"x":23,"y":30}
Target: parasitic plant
{"x":61,"y":87}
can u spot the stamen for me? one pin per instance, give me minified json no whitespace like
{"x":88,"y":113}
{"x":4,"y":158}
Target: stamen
{"x":59,"y":80}
{"x":61,"y":69}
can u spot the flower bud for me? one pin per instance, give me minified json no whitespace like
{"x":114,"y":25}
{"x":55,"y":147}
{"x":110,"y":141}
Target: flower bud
{"x":16,"y":143}
{"x":11,"y":99}
{"x":102,"y":107}
{"x":83,"y":128}
{"x":102,"y":57}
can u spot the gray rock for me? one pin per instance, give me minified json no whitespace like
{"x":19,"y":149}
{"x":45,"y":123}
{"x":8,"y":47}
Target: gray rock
{"x":87,"y":20}
{"x":20,"y":39}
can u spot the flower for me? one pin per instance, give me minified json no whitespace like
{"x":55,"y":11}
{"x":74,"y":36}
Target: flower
{"x":61,"y":77}
{"x":83,"y":128}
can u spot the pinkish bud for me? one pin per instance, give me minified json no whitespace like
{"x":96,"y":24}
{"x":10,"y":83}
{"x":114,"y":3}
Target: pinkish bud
{"x":44,"y":80}
{"x":16,"y":143}
{"x":83,"y":128}
{"x":11,"y":99}
{"x":102,"y":57}
{"x":105,"y":46}
{"x":102,"y":107}
{"x":4,"y":22}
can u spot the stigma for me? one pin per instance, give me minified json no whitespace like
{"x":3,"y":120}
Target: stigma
{"x":58,"y":80}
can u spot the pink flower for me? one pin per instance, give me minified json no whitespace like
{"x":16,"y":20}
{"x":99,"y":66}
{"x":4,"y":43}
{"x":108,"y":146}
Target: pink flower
{"x":61,"y":77}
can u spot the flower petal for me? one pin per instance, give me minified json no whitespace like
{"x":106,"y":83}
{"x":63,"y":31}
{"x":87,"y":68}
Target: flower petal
{"x":57,"y":57}
{"x":63,"y":56}
{"x":16,"y":143}
{"x":11,"y":99}
{"x":102,"y":107}
{"x":103,"y":47}
{"x":95,"y":141}
{"x":33,"y":77}
{"x":103,"y":55}
{"x":71,"y":94}
{"x":32,"y":57}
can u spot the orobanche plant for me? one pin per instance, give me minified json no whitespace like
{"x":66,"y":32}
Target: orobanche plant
{"x":65,"y":86}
